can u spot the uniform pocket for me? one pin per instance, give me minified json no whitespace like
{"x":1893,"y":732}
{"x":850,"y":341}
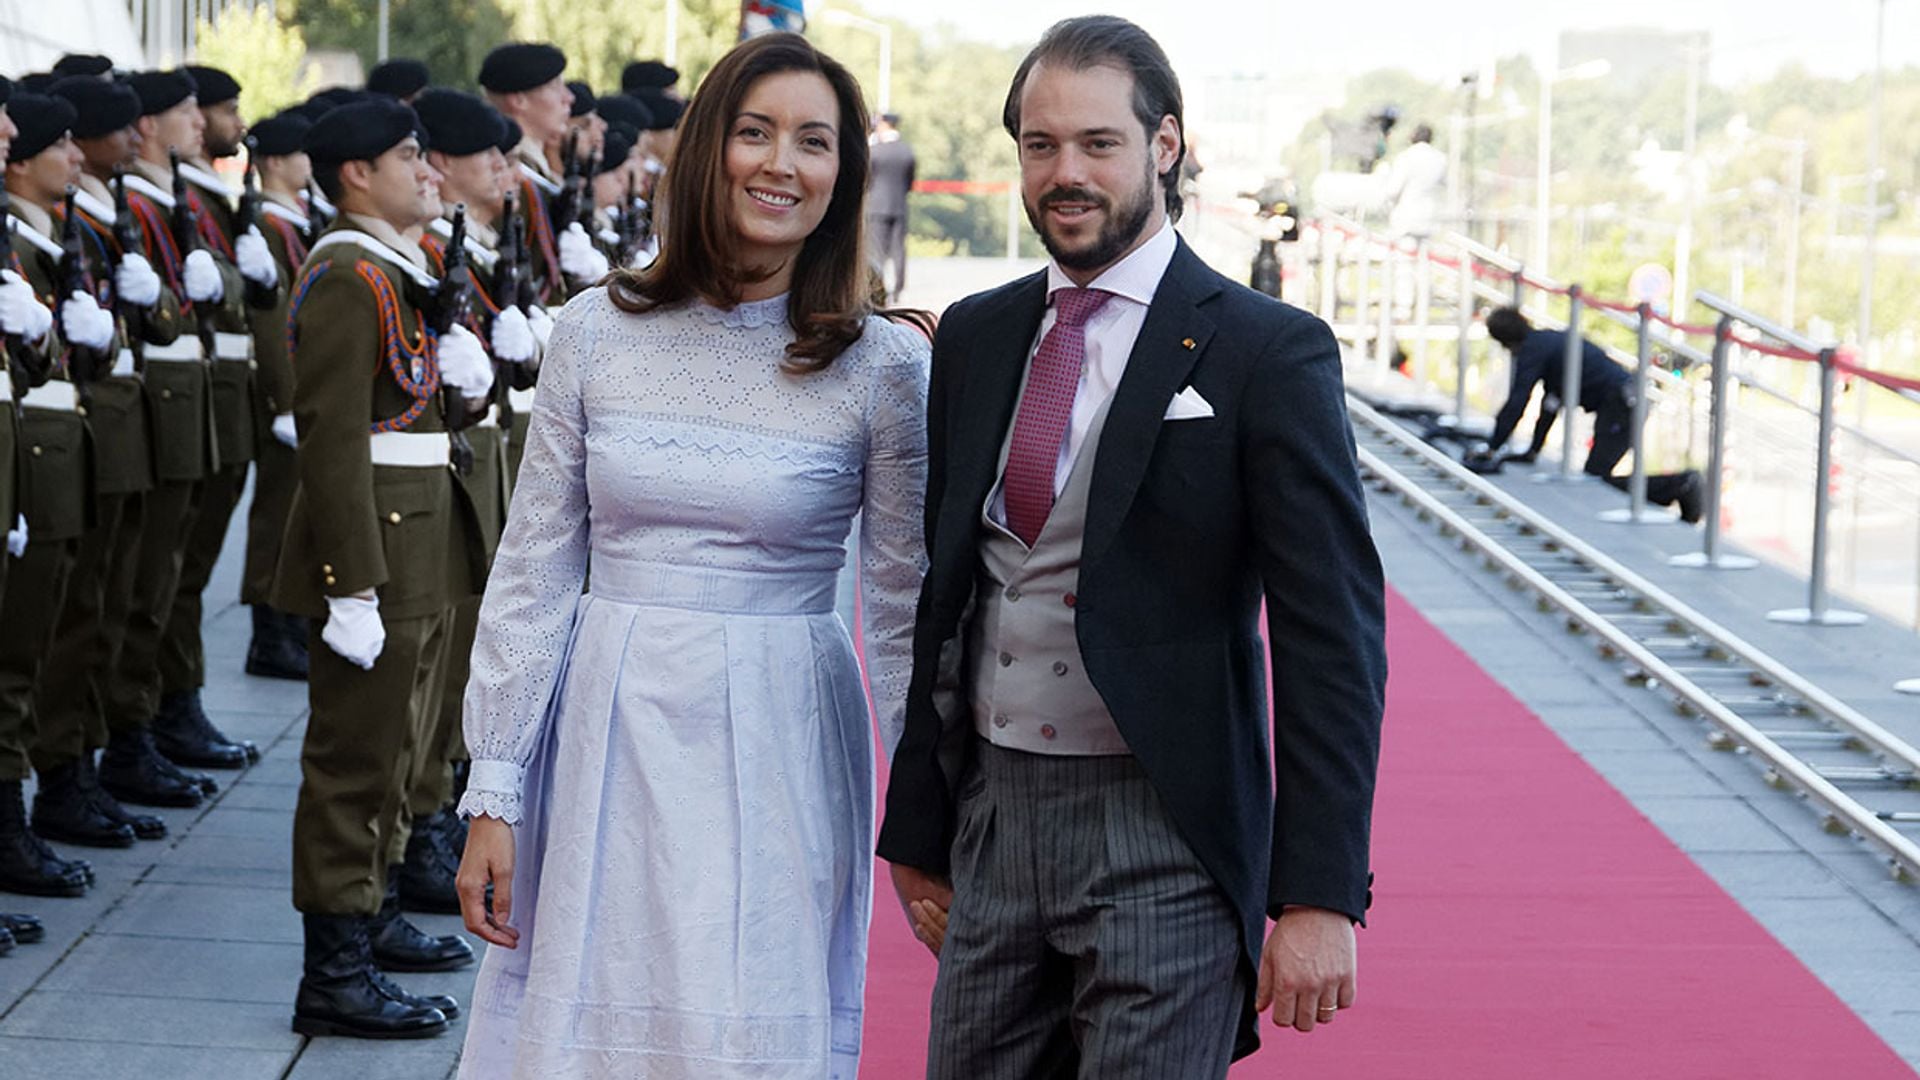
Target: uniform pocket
{"x":415,"y":539}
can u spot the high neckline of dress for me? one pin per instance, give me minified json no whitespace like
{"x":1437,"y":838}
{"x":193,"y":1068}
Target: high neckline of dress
{"x":748,"y":314}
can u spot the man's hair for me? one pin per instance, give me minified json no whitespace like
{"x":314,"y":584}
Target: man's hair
{"x":699,"y":251}
{"x":1095,"y":40}
{"x":1423,"y":133}
{"x":1508,"y":327}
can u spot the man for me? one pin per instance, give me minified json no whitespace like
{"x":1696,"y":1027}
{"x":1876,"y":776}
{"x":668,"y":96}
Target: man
{"x":469,"y":141}
{"x":585,"y":124}
{"x":90,"y":65}
{"x":889,"y":183}
{"x":1416,"y":186}
{"x":1606,"y":391}
{"x":81,"y":672}
{"x":523,"y":81}
{"x":278,"y":648}
{"x":379,"y":548}
{"x":181,"y":728}
{"x":1087,"y":677}
{"x":401,"y":78}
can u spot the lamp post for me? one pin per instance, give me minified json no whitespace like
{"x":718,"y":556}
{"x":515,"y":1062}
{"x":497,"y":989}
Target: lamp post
{"x":1543,"y":181}
{"x":879,"y":29}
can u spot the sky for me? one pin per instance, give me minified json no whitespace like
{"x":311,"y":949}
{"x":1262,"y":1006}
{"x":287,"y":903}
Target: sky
{"x":1441,"y":39}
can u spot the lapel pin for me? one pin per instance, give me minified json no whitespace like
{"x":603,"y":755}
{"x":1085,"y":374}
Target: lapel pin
{"x":1188,"y":342}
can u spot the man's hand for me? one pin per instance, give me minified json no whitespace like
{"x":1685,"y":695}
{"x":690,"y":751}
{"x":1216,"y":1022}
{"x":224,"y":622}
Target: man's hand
{"x":925,"y":899}
{"x":1307,"y":968}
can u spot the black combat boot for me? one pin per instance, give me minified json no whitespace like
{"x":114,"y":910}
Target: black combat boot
{"x":63,"y":809}
{"x":426,"y":877}
{"x":133,"y":771}
{"x":27,"y":864}
{"x":182,"y":733}
{"x":25,"y":929}
{"x":398,"y":945}
{"x":448,"y":1005}
{"x":339,"y":994}
{"x":144,"y":826}
{"x":279,"y":646}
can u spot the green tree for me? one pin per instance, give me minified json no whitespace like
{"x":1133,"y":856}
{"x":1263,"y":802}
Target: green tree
{"x":450,"y":37}
{"x":266,"y":57}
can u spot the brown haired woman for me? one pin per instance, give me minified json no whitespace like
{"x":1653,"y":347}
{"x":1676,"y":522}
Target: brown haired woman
{"x":672,"y":786}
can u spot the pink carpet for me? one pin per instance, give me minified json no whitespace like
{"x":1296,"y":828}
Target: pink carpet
{"x":1529,"y":923}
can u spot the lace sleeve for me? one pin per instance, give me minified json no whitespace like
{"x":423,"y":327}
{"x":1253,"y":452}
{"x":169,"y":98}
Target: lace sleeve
{"x":893,"y":556}
{"x":534,"y":587}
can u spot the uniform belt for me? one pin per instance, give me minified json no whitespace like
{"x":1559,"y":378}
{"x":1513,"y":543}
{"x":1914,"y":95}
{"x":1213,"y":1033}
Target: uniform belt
{"x":54,"y":396}
{"x":521,"y":400}
{"x":185,"y":349}
{"x":233,"y":347}
{"x":411,"y":449}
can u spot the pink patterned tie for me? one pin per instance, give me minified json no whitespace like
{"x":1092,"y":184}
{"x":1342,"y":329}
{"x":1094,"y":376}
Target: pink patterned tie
{"x":1045,"y":407}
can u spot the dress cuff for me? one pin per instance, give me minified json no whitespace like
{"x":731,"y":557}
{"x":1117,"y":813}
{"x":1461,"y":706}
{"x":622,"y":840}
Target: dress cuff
{"x":493,"y":790}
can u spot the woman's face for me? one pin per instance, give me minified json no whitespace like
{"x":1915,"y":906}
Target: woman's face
{"x":782,"y":158}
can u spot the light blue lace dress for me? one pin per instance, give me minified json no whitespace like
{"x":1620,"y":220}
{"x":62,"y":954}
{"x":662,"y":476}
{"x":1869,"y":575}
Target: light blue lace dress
{"x":686,"y":749}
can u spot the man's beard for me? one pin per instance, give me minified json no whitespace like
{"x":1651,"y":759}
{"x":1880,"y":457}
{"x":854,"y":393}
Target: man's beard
{"x":1121,"y":228}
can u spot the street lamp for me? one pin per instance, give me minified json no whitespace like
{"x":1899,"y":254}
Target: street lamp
{"x":1542,"y":193}
{"x":839,"y":17}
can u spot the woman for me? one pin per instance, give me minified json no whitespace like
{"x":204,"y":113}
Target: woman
{"x":684,"y":753}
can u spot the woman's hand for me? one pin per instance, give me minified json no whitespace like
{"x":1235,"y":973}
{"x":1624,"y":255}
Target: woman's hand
{"x":488,"y":860}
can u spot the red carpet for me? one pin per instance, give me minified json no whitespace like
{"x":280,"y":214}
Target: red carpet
{"x":1529,"y":923}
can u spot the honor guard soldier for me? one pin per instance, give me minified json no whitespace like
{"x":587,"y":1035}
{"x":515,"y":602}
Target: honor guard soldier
{"x":523,"y":81}
{"x":469,"y":142}
{"x":279,"y":646}
{"x":380,"y":546}
{"x":229,"y":227}
{"x":401,"y":78}
{"x":180,"y":380}
{"x":30,"y":345}
{"x":74,"y":688}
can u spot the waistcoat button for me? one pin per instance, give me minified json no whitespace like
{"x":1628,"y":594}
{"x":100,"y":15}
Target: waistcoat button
{"x":1069,"y":599}
{"x":1006,"y":658}
{"x":1013,"y":593}
{"x":1059,"y":667}
{"x":1000,"y":720}
{"x":1046,"y":731}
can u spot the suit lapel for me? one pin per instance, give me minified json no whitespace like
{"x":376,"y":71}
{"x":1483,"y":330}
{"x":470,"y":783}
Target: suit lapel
{"x":995,"y":362}
{"x":1171,"y":340}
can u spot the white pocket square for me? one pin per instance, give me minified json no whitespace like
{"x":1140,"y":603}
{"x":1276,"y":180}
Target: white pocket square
{"x":1188,"y":405}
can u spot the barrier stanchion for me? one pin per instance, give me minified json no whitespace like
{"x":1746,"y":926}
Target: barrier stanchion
{"x":1710,"y":557}
{"x":1422,"y":302}
{"x":1520,"y":288}
{"x":1463,"y":348}
{"x":1817,"y":613}
{"x":1362,"y":292}
{"x":1636,"y":512}
{"x":1383,"y":333}
{"x":1570,"y":370}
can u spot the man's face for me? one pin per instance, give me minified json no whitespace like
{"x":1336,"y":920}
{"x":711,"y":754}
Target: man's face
{"x":1089,"y":174}
{"x":288,"y":173}
{"x":544,"y":111}
{"x":8,"y":129}
{"x":116,"y":150}
{"x":225,"y":131}
{"x":474,"y":179}
{"x":180,"y":128}
{"x":399,"y":186}
{"x":43,"y":179}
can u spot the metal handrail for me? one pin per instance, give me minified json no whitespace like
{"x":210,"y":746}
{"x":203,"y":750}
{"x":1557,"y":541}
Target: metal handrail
{"x":1840,"y":805}
{"x":1761,"y":323}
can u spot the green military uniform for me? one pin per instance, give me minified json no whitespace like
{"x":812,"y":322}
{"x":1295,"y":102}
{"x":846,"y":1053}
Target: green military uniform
{"x":366,"y":382}
{"x":275,"y":475}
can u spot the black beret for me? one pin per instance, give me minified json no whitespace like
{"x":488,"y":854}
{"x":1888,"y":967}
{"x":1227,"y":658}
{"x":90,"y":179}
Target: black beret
{"x":103,"y":107}
{"x":583,"y":99}
{"x":399,"y":77}
{"x":617,"y":149}
{"x":90,"y":64}
{"x":38,"y":82}
{"x":6,"y":90}
{"x":458,"y":123}
{"x":647,"y":75}
{"x":666,"y":111}
{"x":42,"y":121}
{"x":511,"y":137}
{"x":280,"y":134}
{"x":624,"y":109}
{"x":213,"y":85}
{"x":161,"y":90}
{"x":521,"y":66}
{"x":361,"y":131}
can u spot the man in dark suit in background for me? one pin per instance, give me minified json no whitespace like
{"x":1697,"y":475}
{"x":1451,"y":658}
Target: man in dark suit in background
{"x":1127,"y":455}
{"x":889,"y":182}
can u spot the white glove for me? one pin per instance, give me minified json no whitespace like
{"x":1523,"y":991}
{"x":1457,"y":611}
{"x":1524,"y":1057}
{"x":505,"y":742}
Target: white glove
{"x":17,"y":537}
{"x":542,"y":324}
{"x":256,"y":261}
{"x":579,"y":259}
{"x":135,"y":282}
{"x":85,"y":322}
{"x":354,"y":630}
{"x":201,"y":278}
{"x":464,"y":364}
{"x":513,"y":339}
{"x":21,"y":312}
{"x":284,"y":430}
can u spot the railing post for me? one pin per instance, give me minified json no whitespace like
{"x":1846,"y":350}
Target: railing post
{"x":1362,"y":291}
{"x":1636,"y":512}
{"x":1519,"y":288}
{"x":1383,"y":333}
{"x":1422,"y":316}
{"x":1817,"y":613}
{"x":1329,"y":267}
{"x":1570,"y":373}
{"x":1709,"y":557}
{"x":1464,"y":347}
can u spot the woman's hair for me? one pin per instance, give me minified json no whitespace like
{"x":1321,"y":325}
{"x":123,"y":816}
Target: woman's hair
{"x":699,"y":254}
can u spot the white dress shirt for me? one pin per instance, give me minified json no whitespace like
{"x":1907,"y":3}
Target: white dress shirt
{"x":1111,"y":333}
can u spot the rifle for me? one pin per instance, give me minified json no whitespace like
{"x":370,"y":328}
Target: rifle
{"x":585,"y":213}
{"x":186,"y":237}
{"x":126,"y":236}
{"x":28,"y":366}
{"x":84,"y":365}
{"x":247,"y":216}
{"x":317,"y":219}
{"x":565,"y":208}
{"x":448,"y":309}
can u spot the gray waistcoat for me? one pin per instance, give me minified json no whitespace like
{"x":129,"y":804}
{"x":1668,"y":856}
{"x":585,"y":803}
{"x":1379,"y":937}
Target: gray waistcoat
{"x":1029,"y":689}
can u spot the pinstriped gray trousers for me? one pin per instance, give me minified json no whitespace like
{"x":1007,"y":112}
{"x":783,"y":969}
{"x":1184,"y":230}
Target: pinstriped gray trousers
{"x":1085,"y":938}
